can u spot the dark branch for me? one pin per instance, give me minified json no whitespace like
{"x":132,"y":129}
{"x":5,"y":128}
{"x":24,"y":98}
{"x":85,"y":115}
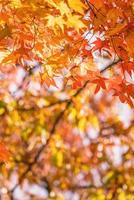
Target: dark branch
{"x":52,"y":131}
{"x":46,"y":106}
{"x":110,"y":65}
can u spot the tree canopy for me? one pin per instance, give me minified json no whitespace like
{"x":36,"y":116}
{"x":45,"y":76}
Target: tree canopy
{"x":67,"y":74}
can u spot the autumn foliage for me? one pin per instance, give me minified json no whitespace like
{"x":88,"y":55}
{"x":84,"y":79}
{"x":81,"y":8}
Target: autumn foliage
{"x":66,"y":73}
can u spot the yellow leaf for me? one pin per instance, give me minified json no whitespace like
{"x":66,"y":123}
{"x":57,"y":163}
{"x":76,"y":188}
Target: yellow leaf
{"x":94,"y":122}
{"x":58,"y":159}
{"x":121,"y":195}
{"x":75,"y":22}
{"x":77,"y":6}
{"x":63,"y":8}
{"x":52,"y":3}
{"x":100,"y":195}
{"x":82,"y":124}
{"x":72,"y":113}
{"x":60,"y":197}
{"x":2,"y":110}
{"x":53,"y":21}
{"x":16,"y":3}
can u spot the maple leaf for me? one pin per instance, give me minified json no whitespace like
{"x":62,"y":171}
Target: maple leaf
{"x":99,"y":45}
{"x":130,"y":40}
{"x":125,"y":99}
{"x":77,"y":82}
{"x":77,"y":6}
{"x":84,"y":50}
{"x":75,"y":22}
{"x":50,"y":123}
{"x":115,"y":83}
{"x":51,"y":2}
{"x":100,"y":81}
{"x":64,"y":9}
{"x":97,"y":3}
{"x":113,"y":14}
{"x":22,"y":52}
{"x":47,"y":80}
{"x":127,"y":67}
{"x":54,"y":21}
{"x":116,"y":30}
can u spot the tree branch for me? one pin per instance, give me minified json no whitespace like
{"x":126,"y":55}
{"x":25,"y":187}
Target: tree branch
{"x":46,"y":106}
{"x":52,"y":131}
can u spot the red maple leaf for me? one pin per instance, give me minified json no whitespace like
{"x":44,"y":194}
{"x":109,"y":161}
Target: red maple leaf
{"x":99,"y":45}
{"x":100,"y":81}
